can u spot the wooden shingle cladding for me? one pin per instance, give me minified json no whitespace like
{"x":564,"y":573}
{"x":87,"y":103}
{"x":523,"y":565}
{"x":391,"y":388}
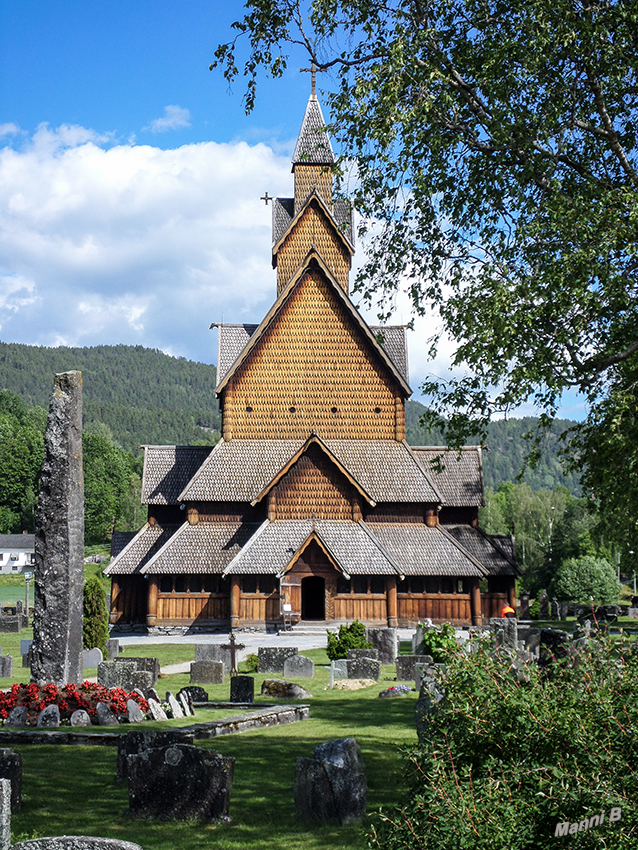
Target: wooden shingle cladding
{"x":313,"y":487}
{"x":311,"y":369}
{"x":312,"y":178}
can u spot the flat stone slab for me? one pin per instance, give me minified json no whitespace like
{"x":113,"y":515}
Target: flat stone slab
{"x":75,"y":842}
{"x":299,"y":667}
{"x":353,"y":684}
{"x":364,"y":667}
{"x":207,"y":672}
{"x":138,"y":741}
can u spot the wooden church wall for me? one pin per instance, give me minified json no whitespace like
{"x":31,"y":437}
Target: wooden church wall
{"x":313,"y":487}
{"x":311,"y":370}
{"x":313,"y":230}
{"x":309,"y":178}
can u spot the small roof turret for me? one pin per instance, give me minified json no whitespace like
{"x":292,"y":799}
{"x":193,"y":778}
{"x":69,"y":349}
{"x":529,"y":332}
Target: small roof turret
{"x":313,"y":145}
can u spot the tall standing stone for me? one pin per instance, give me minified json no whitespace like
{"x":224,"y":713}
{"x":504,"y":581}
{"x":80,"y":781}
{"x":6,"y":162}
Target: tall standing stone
{"x":56,"y":654}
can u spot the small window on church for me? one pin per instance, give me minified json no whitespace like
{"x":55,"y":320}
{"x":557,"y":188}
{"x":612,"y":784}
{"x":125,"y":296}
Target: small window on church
{"x":249,"y":584}
{"x":333,"y":409}
{"x":403,"y":586}
{"x":416,"y":584}
{"x":360,"y":584}
{"x":343,"y":585}
{"x":249,"y":409}
{"x":377,"y":584}
{"x":432,"y":585}
{"x":166,"y":584}
{"x":181,"y":584}
{"x":377,"y":410}
{"x":292,"y":409}
{"x":267,"y":584}
{"x":194,"y":584}
{"x":447,"y":585}
{"x":461,"y":585}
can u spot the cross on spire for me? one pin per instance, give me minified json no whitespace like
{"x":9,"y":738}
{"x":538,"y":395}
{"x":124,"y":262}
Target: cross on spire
{"x":314,"y":69}
{"x":265,"y":198}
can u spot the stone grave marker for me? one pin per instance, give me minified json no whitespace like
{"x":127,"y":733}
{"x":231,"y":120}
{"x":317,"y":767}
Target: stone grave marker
{"x":11,"y":623}
{"x":242,"y":689}
{"x":338,"y":670}
{"x":75,"y":842}
{"x":112,"y":649}
{"x":510,"y":633}
{"x":364,"y":668}
{"x":59,"y":541}
{"x":6,"y":666}
{"x":139,"y":740}
{"x":544,"y":606}
{"x":152,"y":694}
{"x":279,"y":689}
{"x":80,"y":717}
{"x":49,"y":716}
{"x":18,"y":716}
{"x":150,"y":665}
{"x":134,"y":712}
{"x":299,"y":667}
{"x":182,"y":698}
{"x":124,"y":674}
{"x":207,"y":672}
{"x":369,"y":652}
{"x":213,"y":652}
{"x":157,"y":712}
{"x":195,"y":693}
{"x":175,"y":707}
{"x":271,"y":658}
{"x":386,"y":643}
{"x":5,"y":814}
{"x":180,"y":782}
{"x":92,"y":657}
{"x":331,"y":787}
{"x":406,"y":665}
{"x":105,"y":716}
{"x":11,"y":769}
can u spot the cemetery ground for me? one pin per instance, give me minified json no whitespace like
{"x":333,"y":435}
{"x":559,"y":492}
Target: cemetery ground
{"x":73,"y":790}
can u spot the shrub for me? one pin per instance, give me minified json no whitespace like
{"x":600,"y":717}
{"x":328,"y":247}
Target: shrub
{"x":250,"y":664}
{"x":535,"y":608}
{"x":509,"y":754}
{"x":349,"y":637}
{"x":439,"y":641}
{"x":582,"y":579}
{"x":95,"y":629}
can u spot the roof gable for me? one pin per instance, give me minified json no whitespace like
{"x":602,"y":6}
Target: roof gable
{"x":460,"y":479}
{"x":313,"y":199}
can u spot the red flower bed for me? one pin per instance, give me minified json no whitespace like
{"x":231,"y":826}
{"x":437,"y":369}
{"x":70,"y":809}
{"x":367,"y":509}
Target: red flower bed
{"x":68,"y":699}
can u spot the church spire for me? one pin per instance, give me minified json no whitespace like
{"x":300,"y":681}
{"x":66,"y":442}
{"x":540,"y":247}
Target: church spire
{"x":313,"y":145}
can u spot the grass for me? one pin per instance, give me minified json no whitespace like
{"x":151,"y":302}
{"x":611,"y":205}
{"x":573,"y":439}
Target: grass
{"x":72,"y":790}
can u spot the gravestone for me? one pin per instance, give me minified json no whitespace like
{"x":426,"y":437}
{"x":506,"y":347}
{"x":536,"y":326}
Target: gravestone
{"x":6,"y":666}
{"x":11,"y":623}
{"x":524,"y":607}
{"x":20,"y":607}
{"x":554,"y":646}
{"x":338,"y":670}
{"x":242,"y":689}
{"x":554,"y":610}
{"x":386,"y":643}
{"x":105,"y":716}
{"x":331,"y":786}
{"x":430,"y":696}
{"x":152,"y":694}
{"x":11,"y":769}
{"x":185,"y":703}
{"x":112,"y":649}
{"x":138,"y":741}
{"x":124,"y":674}
{"x":279,"y":689}
{"x":157,"y":712}
{"x":5,"y":814}
{"x":134,"y":712}
{"x":49,"y":716}
{"x":180,"y":782}
{"x":175,"y":707}
{"x":25,"y":645}
{"x":75,"y":842}
{"x":364,"y":668}
{"x":271,"y":658}
{"x":369,"y":652}
{"x":80,"y":717}
{"x":59,"y":541}
{"x":299,"y":667}
{"x":207,"y":672}
{"x":92,"y":657}
{"x":543,"y":612}
{"x":510,"y":633}
{"x":406,"y":665}
{"x":18,"y":716}
{"x":150,"y":665}
{"x":196,"y":693}
{"x":213,"y":652}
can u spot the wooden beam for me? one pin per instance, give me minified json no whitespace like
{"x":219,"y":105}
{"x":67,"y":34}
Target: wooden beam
{"x":391,"y":594}
{"x":234,"y":601}
{"x":114,"y":615}
{"x":475,"y":602}
{"x":151,"y":610}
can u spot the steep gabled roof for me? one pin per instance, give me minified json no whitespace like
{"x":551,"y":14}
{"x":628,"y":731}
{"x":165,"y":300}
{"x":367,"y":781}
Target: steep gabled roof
{"x":314,"y":198}
{"x":314,"y":260}
{"x":313,"y":144}
{"x":207,"y":547}
{"x":167,"y":470}
{"x":136,"y":554}
{"x":460,"y":481}
{"x":283,"y":212}
{"x":491,"y":551}
{"x":241,"y":470}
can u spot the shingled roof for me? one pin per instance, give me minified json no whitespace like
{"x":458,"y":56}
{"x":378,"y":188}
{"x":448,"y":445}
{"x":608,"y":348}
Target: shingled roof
{"x":207,"y":547}
{"x":313,"y":144}
{"x":460,"y":482}
{"x":422,"y":551}
{"x":491,"y":551}
{"x":240,"y":470}
{"x":167,"y":470}
{"x":137,"y":553}
{"x":349,"y":544}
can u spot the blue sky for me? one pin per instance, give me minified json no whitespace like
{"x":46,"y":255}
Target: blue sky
{"x":130,"y":210}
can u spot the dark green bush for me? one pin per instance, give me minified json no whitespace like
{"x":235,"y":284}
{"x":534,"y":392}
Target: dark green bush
{"x":95,"y":629}
{"x":439,"y":642}
{"x":535,"y":608}
{"x":250,"y":664}
{"x":349,"y":637}
{"x":509,"y":754}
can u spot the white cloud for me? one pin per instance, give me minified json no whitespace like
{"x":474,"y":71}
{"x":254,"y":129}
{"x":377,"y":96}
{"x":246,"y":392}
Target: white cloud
{"x":9,"y":129}
{"x":174,"y":117}
{"x":133,"y":244}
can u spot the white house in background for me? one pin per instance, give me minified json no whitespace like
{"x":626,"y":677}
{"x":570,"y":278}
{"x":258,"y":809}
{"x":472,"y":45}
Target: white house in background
{"x":17,"y":553}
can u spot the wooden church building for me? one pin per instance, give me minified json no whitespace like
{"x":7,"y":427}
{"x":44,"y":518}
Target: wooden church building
{"x":312,"y":499}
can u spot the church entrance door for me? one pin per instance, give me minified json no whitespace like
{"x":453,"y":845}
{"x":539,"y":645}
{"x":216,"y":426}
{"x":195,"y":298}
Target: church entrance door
{"x":313,"y":598}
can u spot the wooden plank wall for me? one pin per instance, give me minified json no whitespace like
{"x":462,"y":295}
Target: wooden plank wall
{"x":452,"y":607}
{"x":128,"y":599}
{"x":193,"y":606}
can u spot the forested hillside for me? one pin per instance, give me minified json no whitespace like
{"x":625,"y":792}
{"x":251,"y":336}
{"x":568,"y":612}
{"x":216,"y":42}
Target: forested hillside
{"x":142,"y":394}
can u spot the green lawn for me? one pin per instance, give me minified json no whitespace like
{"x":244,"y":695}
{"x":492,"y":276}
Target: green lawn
{"x":72,"y":790}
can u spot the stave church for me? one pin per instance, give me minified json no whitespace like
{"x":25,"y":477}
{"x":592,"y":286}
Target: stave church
{"x":312,"y":506}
